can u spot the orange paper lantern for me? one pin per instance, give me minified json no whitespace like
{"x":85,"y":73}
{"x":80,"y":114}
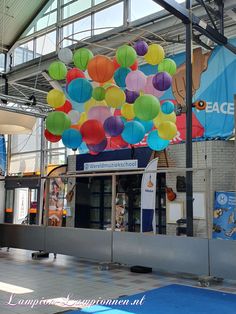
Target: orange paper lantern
{"x":101,"y":69}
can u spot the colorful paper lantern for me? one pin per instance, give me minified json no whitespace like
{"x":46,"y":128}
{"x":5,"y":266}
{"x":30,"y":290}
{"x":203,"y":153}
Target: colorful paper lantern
{"x":80,"y":90}
{"x":65,"y":55}
{"x":120,"y":76}
{"x":146,"y":107}
{"x":99,"y":93}
{"x":155,"y":54}
{"x":57,"y":122}
{"x":167,"y":107}
{"x":99,"y":113}
{"x":93,"y":103}
{"x":135,"y":81}
{"x":126,"y":56}
{"x":74,"y":74}
{"x":51,"y":137}
{"x":81,"y":58}
{"x":116,"y":64}
{"x":101,"y":69}
{"x":83,"y":118}
{"x":167,"y":130}
{"x":92,"y":132}
{"x":134,"y":66}
{"x":133,"y":132}
{"x":57,"y":70}
{"x":141,"y":47}
{"x":98,"y":148}
{"x":65,"y":108}
{"x":150,"y":89}
{"x":148,"y":125}
{"x":155,"y":142}
{"x":164,"y":117}
{"x":113,"y":126}
{"x":118,"y":142}
{"x":114,"y":97}
{"x":72,"y":138}
{"x":127,"y":111}
{"x":74,"y":116}
{"x":162,"y":81}
{"x":56,"y":98}
{"x":131,"y":96}
{"x":167,"y":65}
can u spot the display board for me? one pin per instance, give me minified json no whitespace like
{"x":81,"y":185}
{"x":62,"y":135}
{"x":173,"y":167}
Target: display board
{"x":174,"y":211}
{"x":199,"y":205}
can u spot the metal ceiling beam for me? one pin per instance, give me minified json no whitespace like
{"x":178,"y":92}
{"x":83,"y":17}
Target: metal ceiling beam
{"x":186,"y":17}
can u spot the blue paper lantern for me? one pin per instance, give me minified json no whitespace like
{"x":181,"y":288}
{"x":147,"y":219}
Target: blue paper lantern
{"x":167,"y":107}
{"x":133,"y":132}
{"x":120,"y":76}
{"x":148,"y":125}
{"x":80,"y":90}
{"x":155,"y":142}
{"x":72,"y":138}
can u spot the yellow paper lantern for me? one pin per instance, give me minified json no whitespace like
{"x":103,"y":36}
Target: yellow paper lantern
{"x":93,"y":103}
{"x":162,"y":117}
{"x":56,"y":98}
{"x":155,"y":54}
{"x":115,"y":97}
{"x":83,"y":118}
{"x":127,"y":111}
{"x":167,"y":130}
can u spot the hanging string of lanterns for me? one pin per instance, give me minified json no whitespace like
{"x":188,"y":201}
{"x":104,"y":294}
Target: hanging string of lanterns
{"x":111,"y":99}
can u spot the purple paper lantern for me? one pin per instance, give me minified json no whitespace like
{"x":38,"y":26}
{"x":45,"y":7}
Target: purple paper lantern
{"x":150,"y":89}
{"x":98,"y":148}
{"x":141,"y":47}
{"x":113,"y":126}
{"x":162,"y":81}
{"x":131,"y":96}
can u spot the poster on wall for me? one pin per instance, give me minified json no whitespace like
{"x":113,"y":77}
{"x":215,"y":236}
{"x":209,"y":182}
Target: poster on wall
{"x":121,"y":212}
{"x":21,"y":205}
{"x":56,"y":202}
{"x":224,"y":216}
{"x":2,"y":155}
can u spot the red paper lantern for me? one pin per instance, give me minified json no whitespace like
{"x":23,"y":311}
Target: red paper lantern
{"x":50,"y":137}
{"x":134,"y":67}
{"x":118,"y":142}
{"x":92,"y":132}
{"x":101,"y":69}
{"x":73,"y":74}
{"x":67,"y":107}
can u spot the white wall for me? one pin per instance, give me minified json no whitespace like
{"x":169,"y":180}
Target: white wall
{"x":2,"y":201}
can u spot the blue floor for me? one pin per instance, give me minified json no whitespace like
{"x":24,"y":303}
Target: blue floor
{"x":172,"y":299}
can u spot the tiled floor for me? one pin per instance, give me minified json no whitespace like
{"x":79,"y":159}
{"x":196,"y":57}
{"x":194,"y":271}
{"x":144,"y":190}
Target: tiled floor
{"x":80,"y":280}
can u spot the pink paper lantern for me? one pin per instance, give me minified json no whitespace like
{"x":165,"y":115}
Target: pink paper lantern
{"x":99,"y":113}
{"x":150,"y":89}
{"x":135,"y":81}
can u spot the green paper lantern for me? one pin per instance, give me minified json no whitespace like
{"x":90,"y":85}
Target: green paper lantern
{"x":99,"y":93}
{"x":146,"y":107}
{"x":81,"y":58}
{"x":57,"y":122}
{"x":167,"y":65}
{"x":57,"y":70}
{"x":126,"y":56}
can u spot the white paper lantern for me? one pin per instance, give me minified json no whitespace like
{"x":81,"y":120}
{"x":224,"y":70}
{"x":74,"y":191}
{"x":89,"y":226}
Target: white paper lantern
{"x":65,"y":55}
{"x":74,"y":116}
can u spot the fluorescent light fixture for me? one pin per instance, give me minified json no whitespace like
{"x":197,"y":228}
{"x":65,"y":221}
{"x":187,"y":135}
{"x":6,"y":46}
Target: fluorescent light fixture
{"x":14,"y":289}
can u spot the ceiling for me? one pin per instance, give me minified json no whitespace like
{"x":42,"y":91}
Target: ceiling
{"x":15,"y":16}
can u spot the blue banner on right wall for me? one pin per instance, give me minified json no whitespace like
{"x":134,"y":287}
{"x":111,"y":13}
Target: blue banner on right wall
{"x":224,"y":216}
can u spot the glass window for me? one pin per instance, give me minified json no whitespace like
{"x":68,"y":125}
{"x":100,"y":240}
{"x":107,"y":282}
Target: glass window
{"x":46,"y":21}
{"x":141,"y":9}
{"x":76,"y":7}
{"x":98,"y":1}
{"x":2,"y":61}
{"x":24,"y":53}
{"x":52,"y":7}
{"x":110,"y":18}
{"x":82,"y":28}
{"x":46,"y":44}
{"x":67,"y":31}
{"x":23,"y":163}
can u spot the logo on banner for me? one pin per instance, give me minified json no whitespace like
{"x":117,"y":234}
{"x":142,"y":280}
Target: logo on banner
{"x":222,"y":199}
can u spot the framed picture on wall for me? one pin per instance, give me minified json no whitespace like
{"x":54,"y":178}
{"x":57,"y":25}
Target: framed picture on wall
{"x":174,"y":211}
